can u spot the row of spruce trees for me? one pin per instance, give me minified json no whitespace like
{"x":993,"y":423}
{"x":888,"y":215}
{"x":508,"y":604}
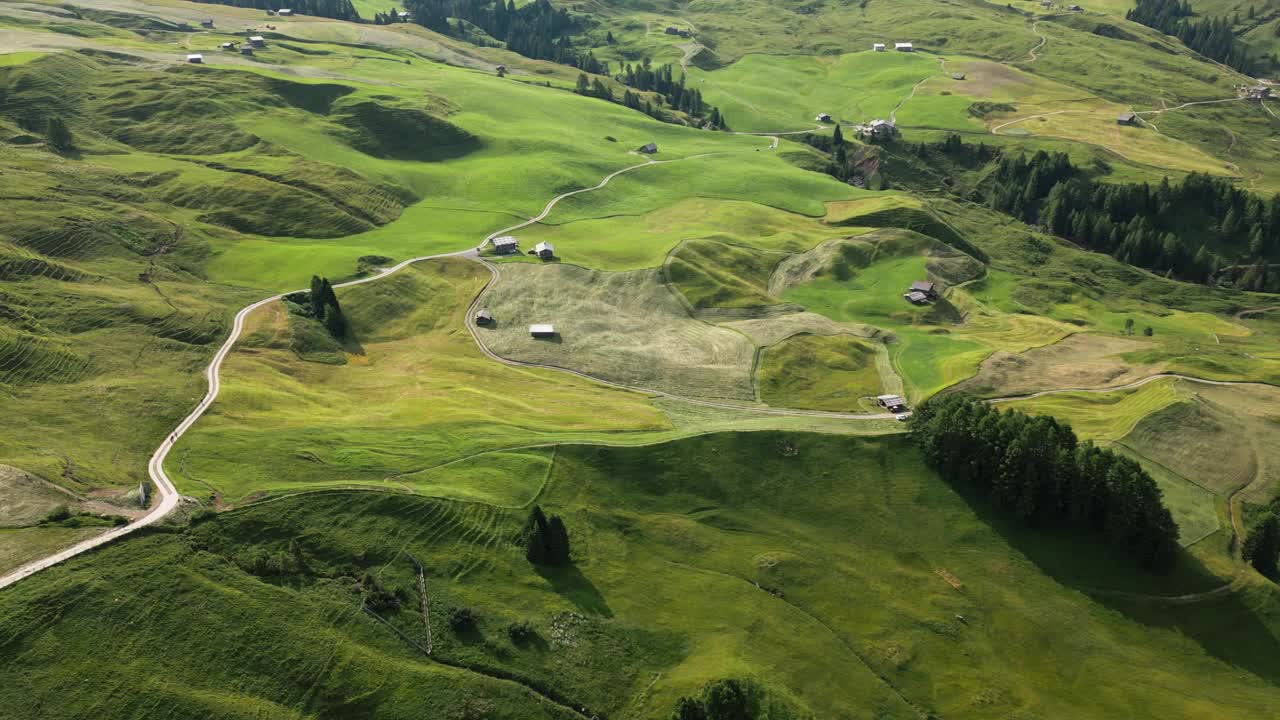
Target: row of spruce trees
{"x":536,"y":30}
{"x":336,"y":9}
{"x":1035,"y":469}
{"x":322,"y":304}
{"x":541,"y":31}
{"x":1163,"y":228}
{"x":1211,"y":37}
{"x":545,"y":539}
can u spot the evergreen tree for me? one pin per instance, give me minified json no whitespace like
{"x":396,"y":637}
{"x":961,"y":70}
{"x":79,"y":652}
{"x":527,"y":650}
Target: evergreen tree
{"x":535,"y":530}
{"x":545,"y":539}
{"x":584,"y":85}
{"x":1262,"y":547}
{"x":58,"y":135}
{"x":1034,"y":469}
{"x":316,"y":297}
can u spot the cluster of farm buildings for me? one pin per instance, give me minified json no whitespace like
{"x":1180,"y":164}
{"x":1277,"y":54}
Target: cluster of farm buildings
{"x":509,"y":245}
{"x":251,"y":42}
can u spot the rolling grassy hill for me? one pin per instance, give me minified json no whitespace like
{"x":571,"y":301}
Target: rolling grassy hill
{"x":810,"y":564}
{"x":721,"y":527}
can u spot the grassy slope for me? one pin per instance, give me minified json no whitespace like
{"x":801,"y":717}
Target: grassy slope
{"x":417,"y":394}
{"x":806,"y":562}
{"x":822,"y":372}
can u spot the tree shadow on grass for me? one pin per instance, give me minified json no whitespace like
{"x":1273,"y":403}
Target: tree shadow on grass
{"x":569,"y":582}
{"x":1223,"y":624}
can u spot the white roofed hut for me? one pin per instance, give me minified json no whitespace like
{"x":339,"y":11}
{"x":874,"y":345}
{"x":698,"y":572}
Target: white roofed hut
{"x":257,"y":41}
{"x":542,"y":330}
{"x":903,"y":47}
{"x":284,"y":13}
{"x":196,"y":58}
{"x":544,"y":250}
{"x":878,"y":47}
{"x":505,"y":244}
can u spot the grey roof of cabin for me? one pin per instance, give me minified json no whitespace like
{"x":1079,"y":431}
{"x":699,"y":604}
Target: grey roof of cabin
{"x":922,"y":286}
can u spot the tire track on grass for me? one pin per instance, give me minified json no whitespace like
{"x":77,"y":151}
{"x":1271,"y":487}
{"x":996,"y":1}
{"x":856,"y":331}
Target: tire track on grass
{"x":1126,"y":386}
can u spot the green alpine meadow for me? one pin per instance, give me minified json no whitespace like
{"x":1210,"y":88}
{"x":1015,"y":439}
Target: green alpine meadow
{"x":639,"y":360}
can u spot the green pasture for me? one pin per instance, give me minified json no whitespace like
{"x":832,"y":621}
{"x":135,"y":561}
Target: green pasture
{"x":643,"y":240}
{"x":820,"y":567}
{"x":762,"y":93}
{"x":1104,"y":416}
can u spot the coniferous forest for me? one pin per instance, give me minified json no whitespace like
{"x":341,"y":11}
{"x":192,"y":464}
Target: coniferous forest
{"x":1169,"y":228}
{"x":336,"y":9}
{"x":1211,"y":37}
{"x":1035,"y":469}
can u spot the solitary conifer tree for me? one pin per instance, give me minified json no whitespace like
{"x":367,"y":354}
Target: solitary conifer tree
{"x":58,"y":135}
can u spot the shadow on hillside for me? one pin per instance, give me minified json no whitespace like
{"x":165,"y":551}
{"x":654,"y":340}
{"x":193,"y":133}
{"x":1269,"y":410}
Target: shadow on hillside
{"x":1223,"y":625}
{"x":569,"y":582}
{"x":350,"y":343}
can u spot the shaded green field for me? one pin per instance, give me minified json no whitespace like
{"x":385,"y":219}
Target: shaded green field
{"x":809,"y":563}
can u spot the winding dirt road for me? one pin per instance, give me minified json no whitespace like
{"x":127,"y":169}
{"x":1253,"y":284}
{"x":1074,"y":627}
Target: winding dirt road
{"x":169,"y":498}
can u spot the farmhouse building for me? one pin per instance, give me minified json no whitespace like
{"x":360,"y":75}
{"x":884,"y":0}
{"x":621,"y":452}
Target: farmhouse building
{"x":197,"y":59}
{"x":1258,"y":93}
{"x":257,"y":41}
{"x":958,"y":76}
{"x":1127,"y":119}
{"x":284,"y":13}
{"x":228,"y":46}
{"x":916,"y":298}
{"x":648,"y":148}
{"x":878,"y":47}
{"x":823,"y":117}
{"x":892,"y":403}
{"x":877,"y":129}
{"x":544,"y":330}
{"x":505,"y":244}
{"x":544,"y":250}
{"x":484,"y":318}
{"x":672,"y":30}
{"x":246,"y":50}
{"x":925,"y":287}
{"x":206,"y":23}
{"x":903,"y":47}
{"x":1073,"y":8}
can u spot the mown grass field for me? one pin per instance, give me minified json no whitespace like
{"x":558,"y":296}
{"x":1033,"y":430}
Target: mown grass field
{"x":806,"y":562}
